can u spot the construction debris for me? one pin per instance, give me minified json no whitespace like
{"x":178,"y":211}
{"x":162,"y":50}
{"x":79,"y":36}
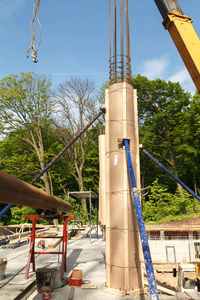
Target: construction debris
{"x":41,"y":244}
{"x":46,"y":292}
{"x":89,"y":286}
{"x":54,"y":243}
{"x":17,"y":244}
{"x":76,"y":278}
{"x":4,"y":241}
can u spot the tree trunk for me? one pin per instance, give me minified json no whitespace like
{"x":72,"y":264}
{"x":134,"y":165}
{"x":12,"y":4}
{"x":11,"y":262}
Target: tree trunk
{"x":195,"y":185}
{"x":173,"y":164}
{"x":44,"y":177}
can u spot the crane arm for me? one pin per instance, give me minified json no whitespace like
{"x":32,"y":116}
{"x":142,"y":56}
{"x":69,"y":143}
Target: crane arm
{"x":183,"y":35}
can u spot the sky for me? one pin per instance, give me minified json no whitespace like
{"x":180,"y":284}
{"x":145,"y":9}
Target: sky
{"x":75,"y":40}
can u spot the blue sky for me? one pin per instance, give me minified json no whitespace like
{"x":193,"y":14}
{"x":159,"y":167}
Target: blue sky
{"x":75,"y":40}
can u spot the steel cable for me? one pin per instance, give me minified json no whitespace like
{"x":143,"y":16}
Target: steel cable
{"x":36,"y":7}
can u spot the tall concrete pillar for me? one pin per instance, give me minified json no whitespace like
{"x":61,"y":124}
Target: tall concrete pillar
{"x":123,"y":251}
{"x":102,"y":180}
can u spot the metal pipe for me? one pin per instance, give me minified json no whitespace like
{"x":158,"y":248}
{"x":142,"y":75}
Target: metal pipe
{"x":79,"y":214}
{"x":143,"y":235}
{"x":90,"y":216}
{"x":59,"y":155}
{"x":18,"y":192}
{"x":172,"y":175}
{"x":97,"y":203}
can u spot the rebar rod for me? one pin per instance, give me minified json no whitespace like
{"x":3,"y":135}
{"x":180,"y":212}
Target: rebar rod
{"x":128,"y":67}
{"x":122,"y":37}
{"x":115,"y":42}
{"x":110,"y":48}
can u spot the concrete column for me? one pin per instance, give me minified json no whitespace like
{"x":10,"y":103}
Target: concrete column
{"x":123,"y":250}
{"x":102,"y":181}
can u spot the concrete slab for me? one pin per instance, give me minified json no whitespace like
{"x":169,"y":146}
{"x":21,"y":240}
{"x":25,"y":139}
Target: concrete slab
{"x":81,"y":255}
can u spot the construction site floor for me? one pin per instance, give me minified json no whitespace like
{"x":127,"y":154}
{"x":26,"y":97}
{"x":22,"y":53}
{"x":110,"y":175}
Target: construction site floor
{"x":82,"y":254}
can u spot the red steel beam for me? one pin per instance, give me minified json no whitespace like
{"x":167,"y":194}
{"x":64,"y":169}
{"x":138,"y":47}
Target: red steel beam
{"x":18,"y":192}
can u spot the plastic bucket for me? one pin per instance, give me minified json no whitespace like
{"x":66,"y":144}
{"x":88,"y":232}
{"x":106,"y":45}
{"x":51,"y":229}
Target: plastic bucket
{"x":45,"y":277}
{"x":3,"y":263}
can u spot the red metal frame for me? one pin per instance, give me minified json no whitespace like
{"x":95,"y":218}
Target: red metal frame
{"x":32,"y":252}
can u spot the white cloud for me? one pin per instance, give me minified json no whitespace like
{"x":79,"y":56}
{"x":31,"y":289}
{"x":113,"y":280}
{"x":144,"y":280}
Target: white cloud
{"x":161,"y":68}
{"x":8,"y":7}
{"x":182,"y":76}
{"x":155,"y":68}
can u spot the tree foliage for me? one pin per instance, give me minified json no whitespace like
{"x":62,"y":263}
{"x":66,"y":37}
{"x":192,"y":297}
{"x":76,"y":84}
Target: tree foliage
{"x":33,"y":132}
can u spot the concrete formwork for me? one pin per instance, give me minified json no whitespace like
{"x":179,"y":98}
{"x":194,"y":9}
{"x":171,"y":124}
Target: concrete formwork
{"x":102,"y":181}
{"x":123,"y":251}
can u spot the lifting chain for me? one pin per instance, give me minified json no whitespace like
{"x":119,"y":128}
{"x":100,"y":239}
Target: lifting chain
{"x":36,"y":7}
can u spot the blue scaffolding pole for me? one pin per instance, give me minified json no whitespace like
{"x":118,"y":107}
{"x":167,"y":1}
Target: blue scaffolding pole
{"x":171,"y":175}
{"x":143,"y":235}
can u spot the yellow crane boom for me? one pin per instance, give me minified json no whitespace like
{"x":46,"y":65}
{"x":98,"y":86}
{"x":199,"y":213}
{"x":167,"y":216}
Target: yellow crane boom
{"x":184,"y":36}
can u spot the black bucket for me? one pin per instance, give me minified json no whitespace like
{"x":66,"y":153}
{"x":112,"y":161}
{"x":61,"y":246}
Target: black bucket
{"x":45,"y":277}
{"x":3,"y":263}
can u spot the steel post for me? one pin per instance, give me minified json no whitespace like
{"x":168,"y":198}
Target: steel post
{"x":143,"y":236}
{"x":90,"y":216}
{"x":97,"y":218}
{"x":79,"y":214}
{"x":172,"y":175}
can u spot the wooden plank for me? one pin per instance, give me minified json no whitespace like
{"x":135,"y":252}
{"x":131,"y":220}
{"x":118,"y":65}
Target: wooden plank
{"x":162,"y":289}
{"x":89,"y":286}
{"x":54,"y":243}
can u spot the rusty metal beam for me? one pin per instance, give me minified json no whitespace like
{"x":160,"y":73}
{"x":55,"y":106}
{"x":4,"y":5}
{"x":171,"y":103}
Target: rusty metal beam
{"x":110,"y":49}
{"x":128,"y":65}
{"x":18,"y":192}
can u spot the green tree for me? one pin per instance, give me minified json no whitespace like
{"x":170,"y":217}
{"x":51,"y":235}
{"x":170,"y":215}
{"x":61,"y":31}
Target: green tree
{"x":163,"y":206}
{"x":75,"y":102}
{"x":162,"y":114}
{"x":25,"y":109}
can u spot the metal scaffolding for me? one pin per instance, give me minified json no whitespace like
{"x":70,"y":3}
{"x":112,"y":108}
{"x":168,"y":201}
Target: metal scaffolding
{"x":85,"y":195}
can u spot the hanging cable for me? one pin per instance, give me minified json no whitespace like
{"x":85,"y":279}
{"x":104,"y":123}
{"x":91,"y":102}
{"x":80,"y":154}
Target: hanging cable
{"x":36,"y":7}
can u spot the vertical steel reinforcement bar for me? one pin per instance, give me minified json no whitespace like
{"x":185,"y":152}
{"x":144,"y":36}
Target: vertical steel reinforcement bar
{"x":143,"y":235}
{"x":110,"y":47}
{"x":59,"y":155}
{"x":122,"y":37}
{"x":115,"y":42}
